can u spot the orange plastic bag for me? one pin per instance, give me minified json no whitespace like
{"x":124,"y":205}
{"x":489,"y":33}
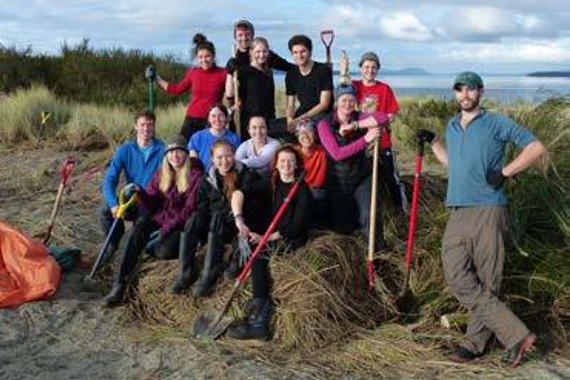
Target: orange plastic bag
{"x":27,"y":271}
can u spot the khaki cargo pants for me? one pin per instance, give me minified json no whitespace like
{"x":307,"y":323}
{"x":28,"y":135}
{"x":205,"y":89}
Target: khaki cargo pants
{"x":473,"y":258}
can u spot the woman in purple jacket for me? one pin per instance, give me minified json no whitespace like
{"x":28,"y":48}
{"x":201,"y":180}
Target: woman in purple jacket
{"x":170,"y":200}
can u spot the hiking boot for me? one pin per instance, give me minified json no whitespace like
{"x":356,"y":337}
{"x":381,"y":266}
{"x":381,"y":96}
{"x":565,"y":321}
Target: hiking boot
{"x":463,"y":355}
{"x":212,"y":269}
{"x":256,"y":323}
{"x":516,"y":353}
{"x":187,"y":273}
{"x":115,"y":296}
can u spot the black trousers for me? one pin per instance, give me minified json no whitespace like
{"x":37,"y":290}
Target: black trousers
{"x":106,"y":221}
{"x":349,"y":212}
{"x":134,"y":242}
{"x":393,"y":181}
{"x":191,"y":125}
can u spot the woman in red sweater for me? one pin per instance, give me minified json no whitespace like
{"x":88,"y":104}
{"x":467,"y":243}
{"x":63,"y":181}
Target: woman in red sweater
{"x":206,"y":84}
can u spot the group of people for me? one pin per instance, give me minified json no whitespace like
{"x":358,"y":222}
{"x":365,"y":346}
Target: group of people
{"x":216,"y":185}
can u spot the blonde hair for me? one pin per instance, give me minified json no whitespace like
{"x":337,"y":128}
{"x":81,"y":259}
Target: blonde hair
{"x":169,"y":177}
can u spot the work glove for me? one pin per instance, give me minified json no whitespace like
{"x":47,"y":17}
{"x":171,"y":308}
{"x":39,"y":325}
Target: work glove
{"x":131,"y":189}
{"x":425,"y":135}
{"x":154,"y":238}
{"x":496,"y":179}
{"x":244,"y":250}
{"x":150,"y":73}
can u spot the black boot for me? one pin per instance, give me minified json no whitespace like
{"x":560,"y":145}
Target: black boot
{"x":234,"y":269}
{"x":187,"y":273}
{"x":115,"y":296}
{"x":256,"y":323}
{"x":212,"y":268}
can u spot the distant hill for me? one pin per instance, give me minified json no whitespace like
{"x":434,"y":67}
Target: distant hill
{"x":554,"y":74}
{"x":406,"y":71}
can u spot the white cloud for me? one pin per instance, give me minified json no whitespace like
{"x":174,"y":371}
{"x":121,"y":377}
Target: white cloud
{"x":484,"y":23}
{"x":405,"y":26}
{"x":552,"y":52}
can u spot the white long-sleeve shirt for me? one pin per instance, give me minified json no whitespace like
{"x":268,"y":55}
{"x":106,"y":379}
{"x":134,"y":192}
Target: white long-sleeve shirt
{"x":260,"y":161}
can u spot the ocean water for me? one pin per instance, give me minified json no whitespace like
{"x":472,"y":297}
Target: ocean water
{"x":504,"y":88}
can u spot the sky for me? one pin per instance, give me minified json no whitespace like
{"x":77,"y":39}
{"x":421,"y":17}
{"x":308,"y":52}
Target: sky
{"x":447,"y":36}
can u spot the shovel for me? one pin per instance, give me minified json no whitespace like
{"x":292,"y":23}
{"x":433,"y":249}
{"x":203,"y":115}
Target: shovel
{"x":123,"y":206}
{"x":235,"y":84}
{"x":212,"y":325}
{"x":327,"y":36}
{"x":413,"y":215}
{"x":151,"y":95}
{"x":66,"y":169}
{"x":370,"y":273}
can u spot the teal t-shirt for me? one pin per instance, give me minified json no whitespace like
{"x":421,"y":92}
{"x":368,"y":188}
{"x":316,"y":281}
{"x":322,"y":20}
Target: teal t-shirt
{"x":146,"y":151}
{"x":477,"y":150}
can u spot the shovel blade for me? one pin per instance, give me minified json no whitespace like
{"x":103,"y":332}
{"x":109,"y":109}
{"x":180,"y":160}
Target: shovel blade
{"x":209,"y":325}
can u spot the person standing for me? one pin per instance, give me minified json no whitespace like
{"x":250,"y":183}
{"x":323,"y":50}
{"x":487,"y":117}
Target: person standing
{"x":205,"y":83}
{"x":256,"y":86}
{"x":473,"y":252}
{"x":309,"y":82}
{"x":373,"y":95}
{"x":138,"y":159}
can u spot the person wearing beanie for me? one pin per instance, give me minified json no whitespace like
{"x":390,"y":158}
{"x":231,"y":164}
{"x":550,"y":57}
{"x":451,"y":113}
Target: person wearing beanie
{"x":205,"y":83}
{"x":310,"y":83}
{"x":345,"y":134}
{"x":373,"y":95}
{"x":169,"y":200}
{"x":473,"y":252}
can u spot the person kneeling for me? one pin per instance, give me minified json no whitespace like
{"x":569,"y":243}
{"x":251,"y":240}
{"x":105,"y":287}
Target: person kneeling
{"x":170,"y":200}
{"x":290,"y":233}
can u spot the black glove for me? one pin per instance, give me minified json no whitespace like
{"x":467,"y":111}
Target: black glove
{"x":425,"y":135}
{"x":496,"y":179}
{"x":150,"y":73}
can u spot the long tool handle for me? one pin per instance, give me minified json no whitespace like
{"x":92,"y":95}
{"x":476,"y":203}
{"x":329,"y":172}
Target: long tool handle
{"x":246,"y":269}
{"x":151,"y":95}
{"x":413,"y":212}
{"x":237,"y":114}
{"x":372,"y":231}
{"x":124,"y":204}
{"x":327,"y":36}
{"x":67,"y":168}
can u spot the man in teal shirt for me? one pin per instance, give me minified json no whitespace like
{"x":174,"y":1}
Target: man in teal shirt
{"x":473,"y":246}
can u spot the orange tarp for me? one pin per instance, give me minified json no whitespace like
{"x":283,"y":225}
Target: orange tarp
{"x":27,"y":271}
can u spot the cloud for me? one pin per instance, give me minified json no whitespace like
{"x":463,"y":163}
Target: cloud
{"x":490,"y":24}
{"x":405,"y":26}
{"x":553,"y":52}
{"x":363,"y":22}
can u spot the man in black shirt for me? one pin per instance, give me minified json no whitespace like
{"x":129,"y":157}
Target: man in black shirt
{"x":310,"y":82}
{"x":243,"y":35}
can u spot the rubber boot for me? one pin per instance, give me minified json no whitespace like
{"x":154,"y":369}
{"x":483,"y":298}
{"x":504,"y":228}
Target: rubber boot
{"x":234,"y":269}
{"x":187,"y":273}
{"x":116,"y":295}
{"x":212,"y":268}
{"x":256,"y":323}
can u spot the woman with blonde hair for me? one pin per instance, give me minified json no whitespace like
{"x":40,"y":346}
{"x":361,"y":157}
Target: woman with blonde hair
{"x":168,"y":201}
{"x":256,"y":86}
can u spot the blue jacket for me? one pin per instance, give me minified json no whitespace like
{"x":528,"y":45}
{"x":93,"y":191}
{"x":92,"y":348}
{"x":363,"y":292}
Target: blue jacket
{"x":130,"y":158}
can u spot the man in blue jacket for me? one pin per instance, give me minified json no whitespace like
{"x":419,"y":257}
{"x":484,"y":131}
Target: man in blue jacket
{"x":138,"y":159}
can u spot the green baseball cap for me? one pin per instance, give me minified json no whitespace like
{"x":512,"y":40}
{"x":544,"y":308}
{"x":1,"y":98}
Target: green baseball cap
{"x":468,"y":78}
